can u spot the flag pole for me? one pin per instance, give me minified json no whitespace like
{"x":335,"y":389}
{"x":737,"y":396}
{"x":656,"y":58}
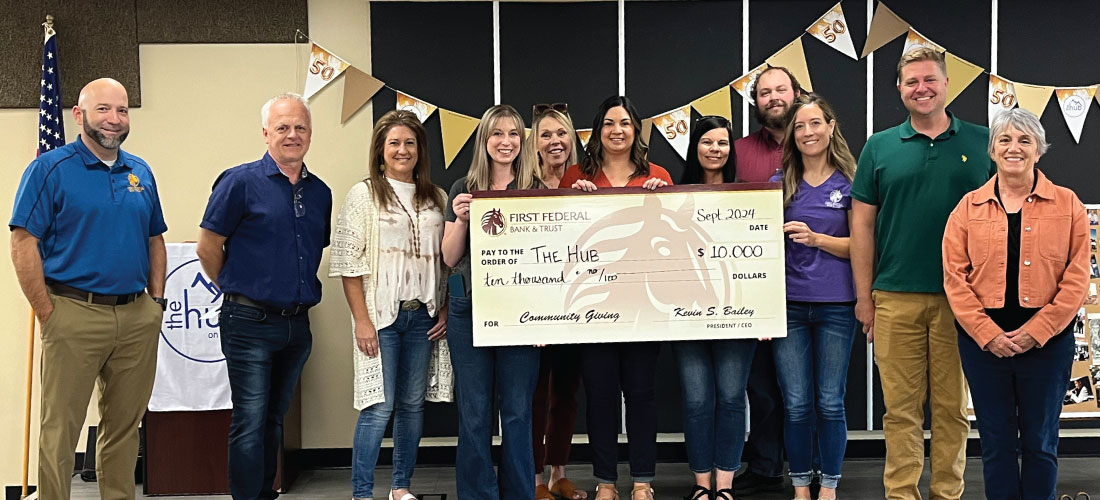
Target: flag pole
{"x":47,"y":32}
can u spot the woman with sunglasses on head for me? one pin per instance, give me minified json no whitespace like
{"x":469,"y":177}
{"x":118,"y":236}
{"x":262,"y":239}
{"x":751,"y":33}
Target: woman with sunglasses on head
{"x":388,"y":230}
{"x":505,"y":374}
{"x":617,"y":158}
{"x":713,"y":373}
{"x":554,"y":408}
{"x":817,"y":179}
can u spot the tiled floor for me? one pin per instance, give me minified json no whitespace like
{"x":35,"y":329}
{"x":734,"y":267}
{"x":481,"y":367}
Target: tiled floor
{"x":862,"y":480}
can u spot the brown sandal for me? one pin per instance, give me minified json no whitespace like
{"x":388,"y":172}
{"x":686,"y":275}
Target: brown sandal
{"x":565,"y":489}
{"x":543,"y":493}
{"x":605,"y":487}
{"x":643,"y":488}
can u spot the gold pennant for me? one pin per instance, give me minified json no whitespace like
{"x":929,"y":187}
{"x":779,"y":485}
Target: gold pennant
{"x":959,"y":73}
{"x":456,"y":129}
{"x":359,"y":88}
{"x":885,"y":26}
{"x":1033,"y":98}
{"x":793,"y":57}
{"x":715,"y":103}
{"x":647,"y":129}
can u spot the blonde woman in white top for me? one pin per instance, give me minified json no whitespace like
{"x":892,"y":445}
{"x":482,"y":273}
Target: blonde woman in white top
{"x":387,"y":251}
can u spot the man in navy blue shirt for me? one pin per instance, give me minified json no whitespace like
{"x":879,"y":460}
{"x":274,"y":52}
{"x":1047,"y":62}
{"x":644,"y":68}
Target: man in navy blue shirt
{"x":87,"y":245}
{"x":262,"y":234}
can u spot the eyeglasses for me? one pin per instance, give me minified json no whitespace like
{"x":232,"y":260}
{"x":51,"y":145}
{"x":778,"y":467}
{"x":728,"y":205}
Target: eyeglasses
{"x":539,"y":109}
{"x":299,"y":208}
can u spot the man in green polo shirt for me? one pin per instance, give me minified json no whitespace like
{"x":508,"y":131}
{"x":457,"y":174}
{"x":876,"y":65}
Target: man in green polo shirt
{"x":909,"y":179}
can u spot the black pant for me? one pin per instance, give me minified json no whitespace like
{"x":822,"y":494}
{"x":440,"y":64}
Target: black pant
{"x":764,"y":449}
{"x":628,"y":369}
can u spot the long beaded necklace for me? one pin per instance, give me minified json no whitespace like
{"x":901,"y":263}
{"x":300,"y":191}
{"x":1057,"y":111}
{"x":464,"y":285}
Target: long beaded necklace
{"x":414,"y":222}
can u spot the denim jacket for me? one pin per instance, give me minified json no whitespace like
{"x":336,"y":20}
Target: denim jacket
{"x":1054,"y":259}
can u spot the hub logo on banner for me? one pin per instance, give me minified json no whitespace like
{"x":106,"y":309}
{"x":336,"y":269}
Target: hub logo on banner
{"x":191,"y":372}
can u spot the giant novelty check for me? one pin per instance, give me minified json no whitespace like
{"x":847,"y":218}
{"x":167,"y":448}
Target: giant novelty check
{"x":628,"y":264}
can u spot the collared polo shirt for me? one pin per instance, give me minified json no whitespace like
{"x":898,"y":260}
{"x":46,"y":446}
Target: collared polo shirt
{"x":759,"y":156}
{"x":915,"y":181}
{"x":272,"y":249}
{"x":93,"y":222}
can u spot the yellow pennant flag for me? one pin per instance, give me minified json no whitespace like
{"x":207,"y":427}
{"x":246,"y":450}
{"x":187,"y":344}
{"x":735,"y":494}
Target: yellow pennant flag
{"x":959,"y":74}
{"x":743,"y":84}
{"x":456,"y":129}
{"x":1033,"y":98}
{"x":647,"y":129}
{"x":793,"y":58}
{"x":359,"y":88}
{"x":885,"y":26}
{"x":422,"y":109}
{"x":585,"y":133}
{"x":715,"y":103}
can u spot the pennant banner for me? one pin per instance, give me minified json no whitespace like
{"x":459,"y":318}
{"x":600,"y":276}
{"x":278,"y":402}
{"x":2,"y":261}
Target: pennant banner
{"x":323,"y":68}
{"x":1002,"y":95}
{"x":962,"y":73}
{"x":832,"y":29}
{"x":647,"y":129}
{"x":409,"y":103}
{"x":1075,"y":102}
{"x":585,"y":133}
{"x":915,"y":39}
{"x":456,"y":129}
{"x":744,"y":83}
{"x":885,"y":26}
{"x":793,"y":57}
{"x":1033,"y":98}
{"x":716,"y":103}
{"x":674,"y":127}
{"x":359,"y":88}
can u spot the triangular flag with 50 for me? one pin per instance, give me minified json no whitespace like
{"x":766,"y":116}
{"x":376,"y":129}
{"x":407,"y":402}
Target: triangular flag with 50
{"x":832,"y":29}
{"x":421,"y":109}
{"x":584,"y":134}
{"x":323,"y":68}
{"x":1002,"y":95}
{"x":674,"y":127}
{"x":1075,"y":103}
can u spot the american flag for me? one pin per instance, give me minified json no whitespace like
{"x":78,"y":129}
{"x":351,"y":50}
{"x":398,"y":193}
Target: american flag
{"x":51,"y":125}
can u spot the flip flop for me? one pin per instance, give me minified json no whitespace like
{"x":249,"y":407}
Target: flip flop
{"x":543,"y":493}
{"x":564,"y":488}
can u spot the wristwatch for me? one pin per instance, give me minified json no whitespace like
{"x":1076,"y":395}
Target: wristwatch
{"x":162,"y":301}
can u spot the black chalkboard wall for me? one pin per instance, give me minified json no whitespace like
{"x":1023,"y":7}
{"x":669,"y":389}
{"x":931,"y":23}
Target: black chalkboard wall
{"x":678,"y":51}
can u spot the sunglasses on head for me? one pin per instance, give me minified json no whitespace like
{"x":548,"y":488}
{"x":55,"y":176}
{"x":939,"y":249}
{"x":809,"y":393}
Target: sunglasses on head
{"x":539,"y":109}
{"x":721,"y":120}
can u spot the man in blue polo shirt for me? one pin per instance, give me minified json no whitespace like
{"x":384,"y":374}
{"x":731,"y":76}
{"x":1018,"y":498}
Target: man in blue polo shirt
{"x":262,"y":234}
{"x":86,"y":244}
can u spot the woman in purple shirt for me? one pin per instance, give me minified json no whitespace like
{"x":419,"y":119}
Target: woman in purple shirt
{"x":817,"y":176}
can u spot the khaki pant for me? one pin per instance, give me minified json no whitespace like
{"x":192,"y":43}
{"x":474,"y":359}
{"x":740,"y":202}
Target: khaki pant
{"x":115,"y":346}
{"x":917,"y":352}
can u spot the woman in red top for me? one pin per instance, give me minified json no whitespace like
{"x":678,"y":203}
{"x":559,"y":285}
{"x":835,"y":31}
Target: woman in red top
{"x":617,"y":158}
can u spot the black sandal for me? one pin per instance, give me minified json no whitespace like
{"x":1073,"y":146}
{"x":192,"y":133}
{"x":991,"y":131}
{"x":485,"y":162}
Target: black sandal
{"x":726,"y":494}
{"x":700,"y":493}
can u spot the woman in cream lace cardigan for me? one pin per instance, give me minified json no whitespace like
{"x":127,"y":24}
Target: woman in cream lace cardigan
{"x":386,"y":248}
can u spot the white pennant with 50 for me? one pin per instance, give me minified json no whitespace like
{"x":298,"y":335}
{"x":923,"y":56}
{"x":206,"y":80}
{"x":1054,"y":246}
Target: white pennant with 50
{"x":674,"y":126}
{"x":323,"y":68}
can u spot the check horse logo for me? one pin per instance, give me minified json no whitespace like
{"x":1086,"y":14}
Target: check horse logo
{"x":636,"y":238}
{"x":492,"y":222}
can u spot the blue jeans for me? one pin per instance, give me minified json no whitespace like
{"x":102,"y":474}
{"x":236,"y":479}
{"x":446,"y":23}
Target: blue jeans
{"x":264,"y":354}
{"x":405,"y":350}
{"x":713,"y":377}
{"x":483,"y":374}
{"x":813,"y":375}
{"x":1018,"y":401}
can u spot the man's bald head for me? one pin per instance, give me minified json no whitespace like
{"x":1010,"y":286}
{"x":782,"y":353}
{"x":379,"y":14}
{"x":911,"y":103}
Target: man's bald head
{"x":103,"y":112}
